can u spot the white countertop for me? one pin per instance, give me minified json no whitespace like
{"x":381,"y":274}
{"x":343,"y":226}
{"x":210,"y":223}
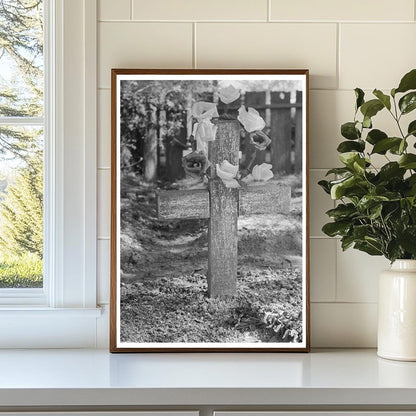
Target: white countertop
{"x":96,"y":377}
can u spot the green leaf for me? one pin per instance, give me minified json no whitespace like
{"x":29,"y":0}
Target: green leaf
{"x":408,"y":161}
{"x":400,"y":148}
{"x":411,"y":180}
{"x":412,"y":200}
{"x":346,"y":242}
{"x":336,"y":228}
{"x":359,"y":95}
{"x":361,"y":231}
{"x":393,"y":250}
{"x":367,"y":122}
{"x":342,"y":211}
{"x":408,"y":102}
{"x":349,"y":131}
{"x":338,"y":171}
{"x":348,"y":158}
{"x":337,"y":191}
{"x":369,"y":201}
{"x":408,"y":82}
{"x":375,"y":136}
{"x":368,"y":248}
{"x":383,"y":145}
{"x":371,"y":108}
{"x":349,"y":146}
{"x":391,"y":170}
{"x":411,"y":130}
{"x":359,"y":165}
{"x":385,"y":99}
{"x":325,"y":186}
{"x":339,"y":188}
{"x":407,"y":240}
{"x":375,"y":211}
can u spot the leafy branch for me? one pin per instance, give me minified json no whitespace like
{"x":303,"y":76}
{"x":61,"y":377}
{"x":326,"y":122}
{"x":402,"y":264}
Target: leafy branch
{"x":376,"y":212}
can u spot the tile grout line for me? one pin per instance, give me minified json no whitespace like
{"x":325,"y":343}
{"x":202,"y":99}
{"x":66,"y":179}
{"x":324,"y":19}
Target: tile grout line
{"x":269,"y":10}
{"x":344,"y":302}
{"x":307,"y":22}
{"x":194,"y":62}
{"x":131,"y":9}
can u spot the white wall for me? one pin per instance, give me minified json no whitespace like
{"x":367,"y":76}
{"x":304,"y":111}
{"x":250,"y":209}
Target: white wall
{"x":344,"y":43}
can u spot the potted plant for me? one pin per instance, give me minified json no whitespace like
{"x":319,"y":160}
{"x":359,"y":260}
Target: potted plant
{"x":376,"y":207}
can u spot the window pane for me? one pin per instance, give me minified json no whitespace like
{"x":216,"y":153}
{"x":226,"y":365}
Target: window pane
{"x":21,"y":207}
{"x":21,"y":58}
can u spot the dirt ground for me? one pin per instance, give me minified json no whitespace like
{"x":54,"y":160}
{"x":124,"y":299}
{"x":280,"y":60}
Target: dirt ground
{"x":163,"y":280}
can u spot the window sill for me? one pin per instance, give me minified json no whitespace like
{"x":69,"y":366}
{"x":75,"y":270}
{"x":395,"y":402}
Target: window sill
{"x":40,"y":327}
{"x":36,"y":312}
{"x":22,"y":297}
{"x":323,"y":379}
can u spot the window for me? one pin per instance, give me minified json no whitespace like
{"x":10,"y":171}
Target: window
{"x":22,"y":132}
{"x":63,"y":313}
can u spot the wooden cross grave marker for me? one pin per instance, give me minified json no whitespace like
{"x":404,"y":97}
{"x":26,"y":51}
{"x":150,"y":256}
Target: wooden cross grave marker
{"x":222,"y":206}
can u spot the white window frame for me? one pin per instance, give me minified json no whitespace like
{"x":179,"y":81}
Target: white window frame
{"x":35,"y":296}
{"x":64,"y":313}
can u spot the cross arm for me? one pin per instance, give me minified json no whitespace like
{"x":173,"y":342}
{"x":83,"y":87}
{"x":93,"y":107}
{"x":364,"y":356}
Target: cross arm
{"x":182,"y":204}
{"x":270,"y":198}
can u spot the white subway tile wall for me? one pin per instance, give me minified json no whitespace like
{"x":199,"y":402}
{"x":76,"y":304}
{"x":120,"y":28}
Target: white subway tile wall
{"x":142,"y":45}
{"x":114,"y":10}
{"x":201,"y":10}
{"x":322,"y":269}
{"x":345,"y":44}
{"x":366,"y":51}
{"x":357,"y":275}
{"x":270,"y":45}
{"x":339,"y":11}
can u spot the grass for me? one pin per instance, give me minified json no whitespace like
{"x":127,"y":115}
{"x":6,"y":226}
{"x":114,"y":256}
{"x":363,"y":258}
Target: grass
{"x":25,"y":271}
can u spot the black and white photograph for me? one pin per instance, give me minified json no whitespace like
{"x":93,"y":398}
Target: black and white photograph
{"x":209,"y":244}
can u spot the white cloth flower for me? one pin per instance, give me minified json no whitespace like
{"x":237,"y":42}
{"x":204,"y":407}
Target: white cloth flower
{"x":203,"y":110}
{"x":205,"y":131}
{"x":227,"y":173}
{"x":260,"y":173}
{"x":228,"y":94}
{"x":251,"y":119}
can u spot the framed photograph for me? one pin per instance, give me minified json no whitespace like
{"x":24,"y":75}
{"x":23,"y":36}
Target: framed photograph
{"x":209,"y":211}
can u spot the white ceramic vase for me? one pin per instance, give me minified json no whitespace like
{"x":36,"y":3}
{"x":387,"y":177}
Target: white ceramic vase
{"x":397,"y":312}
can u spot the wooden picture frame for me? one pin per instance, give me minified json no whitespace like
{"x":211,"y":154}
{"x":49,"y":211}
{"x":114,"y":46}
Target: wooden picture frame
{"x":205,"y":258}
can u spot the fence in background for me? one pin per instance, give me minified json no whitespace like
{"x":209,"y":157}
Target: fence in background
{"x":283,"y":126}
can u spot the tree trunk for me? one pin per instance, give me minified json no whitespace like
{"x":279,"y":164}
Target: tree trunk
{"x":150,"y":146}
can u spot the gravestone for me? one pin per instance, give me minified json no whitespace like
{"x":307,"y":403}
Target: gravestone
{"x":222,"y":206}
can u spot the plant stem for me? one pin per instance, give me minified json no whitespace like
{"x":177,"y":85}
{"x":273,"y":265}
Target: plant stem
{"x":253,"y":158}
{"x":396,"y":118}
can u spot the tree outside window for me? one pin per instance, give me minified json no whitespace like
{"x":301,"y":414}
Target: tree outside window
{"x":21,"y":143}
